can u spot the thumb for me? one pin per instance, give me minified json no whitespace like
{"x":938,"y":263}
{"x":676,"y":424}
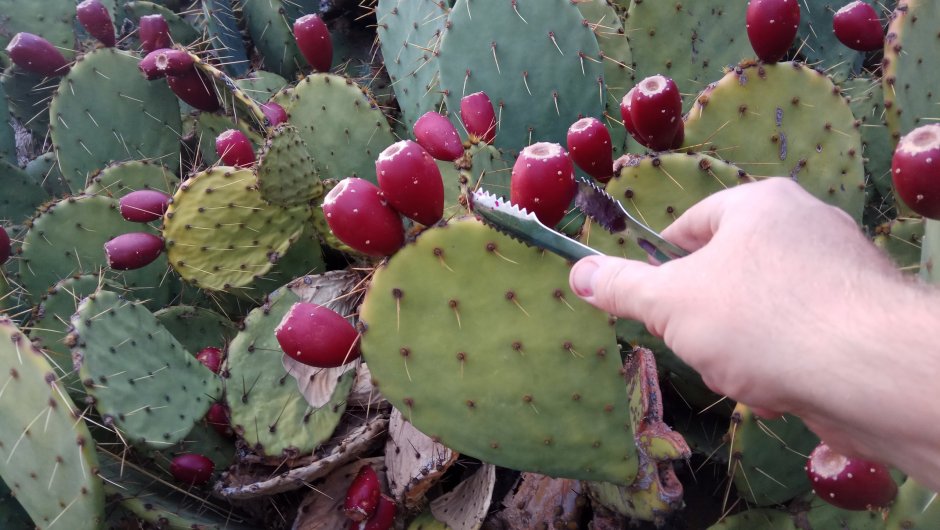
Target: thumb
{"x":624,"y":288}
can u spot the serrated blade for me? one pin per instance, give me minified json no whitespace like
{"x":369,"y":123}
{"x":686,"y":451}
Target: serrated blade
{"x":524,"y":226}
{"x":606,"y":211}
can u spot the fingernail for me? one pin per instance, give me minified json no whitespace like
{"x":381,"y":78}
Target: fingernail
{"x":582,"y":278}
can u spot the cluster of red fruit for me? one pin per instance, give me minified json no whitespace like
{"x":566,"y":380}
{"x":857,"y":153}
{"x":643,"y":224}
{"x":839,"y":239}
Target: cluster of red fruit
{"x":365,"y":505}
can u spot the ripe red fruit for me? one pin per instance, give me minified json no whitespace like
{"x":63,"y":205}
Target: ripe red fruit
{"x":479,"y":118}
{"x":849,"y":483}
{"x":192,"y":468}
{"x":154,"y":33}
{"x":543,"y":182}
{"x":275,"y":113}
{"x":438,"y":136}
{"x":915,"y":170}
{"x":143,"y":206}
{"x":382,"y":519}
{"x":857,"y":26}
{"x":360,"y":216}
{"x":133,"y":250}
{"x":362,"y":497}
{"x":317,"y":336}
{"x":211,"y":357}
{"x":5,"y":248}
{"x":656,"y":112}
{"x":95,"y":18}
{"x":313,"y":40}
{"x":218,"y":418}
{"x":411,"y":181}
{"x":166,"y":61}
{"x":193,"y":88}
{"x":771,"y":27}
{"x":625,"y":111}
{"x":37,"y":55}
{"x":590,"y":147}
{"x":235,"y":149}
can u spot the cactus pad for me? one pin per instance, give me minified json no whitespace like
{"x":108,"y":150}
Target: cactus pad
{"x":221,"y":234}
{"x":195,"y":327}
{"x":141,"y":378}
{"x":21,"y":194}
{"x":28,"y":98}
{"x":226,"y":40}
{"x":51,"y":20}
{"x":818,"y":42}
{"x":119,"y":179}
{"x":287,"y":174}
{"x":479,"y":342}
{"x":272,"y":34}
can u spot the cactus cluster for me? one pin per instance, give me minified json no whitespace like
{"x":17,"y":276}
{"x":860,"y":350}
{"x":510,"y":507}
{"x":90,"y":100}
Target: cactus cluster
{"x":241,"y":285}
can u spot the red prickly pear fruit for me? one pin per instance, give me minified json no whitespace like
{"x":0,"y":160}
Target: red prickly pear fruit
{"x":915,"y":170}
{"x":382,"y":519}
{"x":95,"y":18}
{"x":235,"y":149}
{"x":154,"y":33}
{"x":543,"y":182}
{"x":849,"y":483}
{"x":164,"y":62}
{"x":211,"y":357}
{"x":625,"y":113}
{"x":144,"y":206}
{"x":313,"y":40}
{"x":438,"y":136}
{"x":411,"y":181}
{"x":317,"y":336}
{"x":275,"y":113}
{"x":771,"y":27}
{"x":218,"y":418}
{"x":5,"y":248}
{"x":37,"y":55}
{"x":680,"y":136}
{"x":192,"y":468}
{"x":133,"y":250}
{"x":362,"y":497}
{"x":479,"y":118}
{"x":590,"y":148}
{"x":857,"y":26}
{"x":360,"y":216}
{"x":656,"y":111}
{"x":193,"y":88}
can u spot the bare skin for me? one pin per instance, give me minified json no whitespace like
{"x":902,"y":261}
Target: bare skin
{"x":785,"y":306}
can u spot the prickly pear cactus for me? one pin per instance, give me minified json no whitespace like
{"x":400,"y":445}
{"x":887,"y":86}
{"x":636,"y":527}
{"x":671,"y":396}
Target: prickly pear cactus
{"x":117,"y":180}
{"x":272,"y":34}
{"x":21,"y":193}
{"x":196,"y":327}
{"x":287,"y":173}
{"x":52,"y":20}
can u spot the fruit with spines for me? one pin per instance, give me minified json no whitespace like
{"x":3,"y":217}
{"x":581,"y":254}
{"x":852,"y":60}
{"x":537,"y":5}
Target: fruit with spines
{"x":154,"y":33}
{"x":381,"y":519}
{"x":192,"y":468}
{"x":194,"y":89}
{"x":275,"y":113}
{"x":915,"y":170}
{"x":144,"y":206}
{"x":362,"y":497}
{"x":211,"y":357}
{"x":314,"y":42}
{"x":133,"y":250}
{"x":771,"y":27}
{"x":590,"y":148}
{"x":656,"y":112}
{"x":219,"y":419}
{"x":95,"y":18}
{"x":37,"y":55}
{"x":360,"y":216}
{"x":166,"y":61}
{"x":317,"y":336}
{"x":5,"y":248}
{"x":850,"y":483}
{"x":857,"y":26}
{"x":235,"y":149}
{"x":437,"y":135}
{"x":479,"y":118}
{"x":411,"y":181}
{"x":543,"y":182}
{"x":626,"y":111}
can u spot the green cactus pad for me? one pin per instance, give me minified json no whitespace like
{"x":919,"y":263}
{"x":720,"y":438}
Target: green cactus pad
{"x":410,"y":33}
{"x":140,"y":376}
{"x":768,"y":456}
{"x":344,"y":129}
{"x":765,"y":519}
{"x":117,"y":180}
{"x":220,"y":234}
{"x":479,"y":342}
{"x":47,"y":454}
{"x":690,"y":42}
{"x":488,"y":170}
{"x":866,"y":98}
{"x":21,"y":194}
{"x":901,"y":239}
{"x":7,"y":136}
{"x":818,"y":42}
{"x":261,"y":85}
{"x":784,"y":119}
{"x":204,"y":440}
{"x":287,"y":174}
{"x":303,"y":257}
{"x":915,"y":508}
{"x":196,"y":327}
{"x":271,"y":31}
{"x":821,"y":515}
{"x":181,"y":32}
{"x":51,"y":20}
{"x":226,"y":39}
{"x":267,"y":409}
{"x":910,"y":98}
{"x":930,"y":252}
{"x":45,"y":170}
{"x":28,"y":98}
{"x":535,"y":100}
{"x":104,"y":111}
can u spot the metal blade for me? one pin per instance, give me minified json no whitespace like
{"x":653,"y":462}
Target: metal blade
{"x":524,"y":226}
{"x":611,"y":215}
